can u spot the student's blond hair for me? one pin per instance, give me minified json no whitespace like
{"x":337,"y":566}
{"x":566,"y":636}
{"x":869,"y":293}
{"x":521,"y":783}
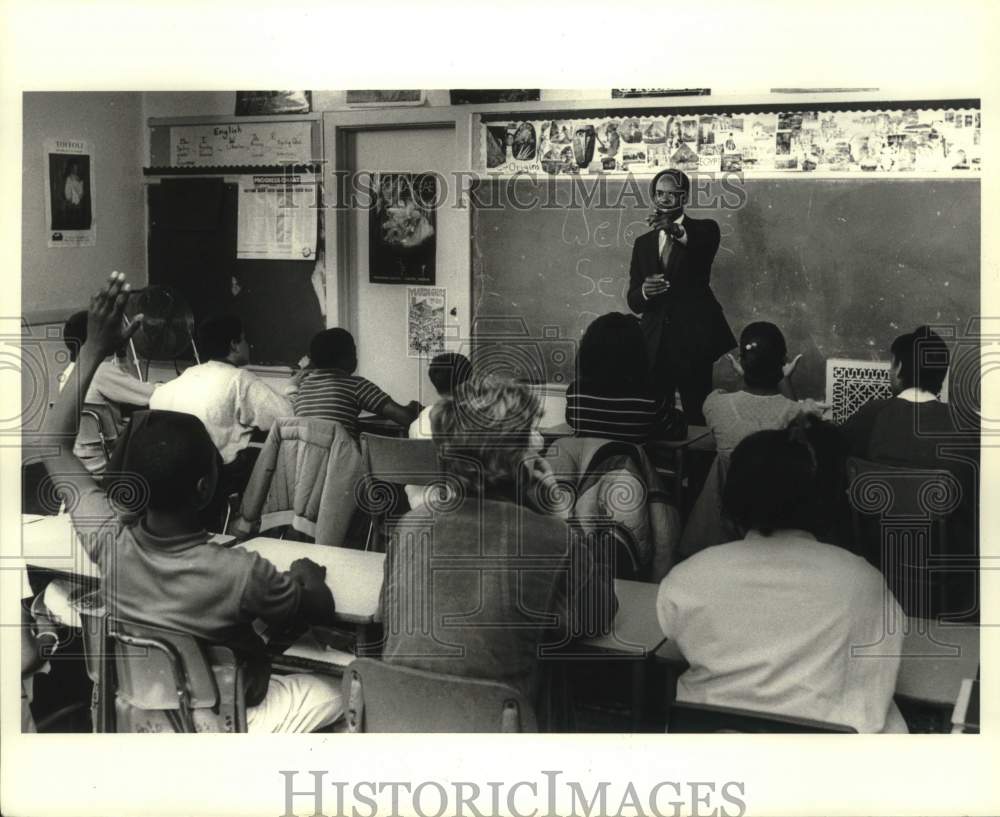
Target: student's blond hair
{"x":483,"y":430}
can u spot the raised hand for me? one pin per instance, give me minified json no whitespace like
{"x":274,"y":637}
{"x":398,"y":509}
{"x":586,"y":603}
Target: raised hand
{"x":737,"y":366}
{"x":106,"y":331}
{"x":789,"y":368}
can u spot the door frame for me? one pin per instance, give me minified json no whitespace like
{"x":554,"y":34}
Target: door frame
{"x":338,"y":126}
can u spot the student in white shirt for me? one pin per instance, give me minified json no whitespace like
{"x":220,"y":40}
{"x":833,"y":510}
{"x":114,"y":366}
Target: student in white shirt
{"x":230,"y":401}
{"x":769,"y":623}
{"x":446,"y":372}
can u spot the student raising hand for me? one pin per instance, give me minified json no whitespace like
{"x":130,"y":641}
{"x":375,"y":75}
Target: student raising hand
{"x":106,"y":331}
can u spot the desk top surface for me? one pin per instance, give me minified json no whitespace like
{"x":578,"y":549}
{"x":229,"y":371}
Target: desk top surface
{"x":935,"y":659}
{"x":353,"y":576}
{"x":635,"y":630}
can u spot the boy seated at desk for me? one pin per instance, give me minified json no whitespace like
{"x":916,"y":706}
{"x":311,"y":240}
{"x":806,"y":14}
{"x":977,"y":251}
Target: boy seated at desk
{"x":511,"y":580}
{"x":447,"y":372}
{"x":160,"y":569}
{"x":768,"y":622}
{"x":330,"y":390}
{"x":230,"y":401}
{"x":115,"y":385}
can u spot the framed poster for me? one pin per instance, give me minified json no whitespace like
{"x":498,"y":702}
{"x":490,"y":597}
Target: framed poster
{"x":258,"y":103}
{"x":402,"y":229}
{"x":69,"y":193}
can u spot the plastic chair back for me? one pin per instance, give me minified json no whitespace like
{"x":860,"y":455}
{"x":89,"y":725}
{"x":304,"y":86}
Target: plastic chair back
{"x":389,"y":463}
{"x":386,"y":697}
{"x":148,"y":679}
{"x":899,"y":517}
{"x":687,"y":718}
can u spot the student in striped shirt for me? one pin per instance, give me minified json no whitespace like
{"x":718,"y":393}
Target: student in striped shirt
{"x":329,"y":389}
{"x":610,"y":398}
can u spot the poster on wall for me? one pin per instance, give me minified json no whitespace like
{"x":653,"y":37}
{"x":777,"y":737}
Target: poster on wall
{"x":277,"y":217}
{"x":424,"y":321}
{"x":69,"y":193}
{"x":402,"y":232}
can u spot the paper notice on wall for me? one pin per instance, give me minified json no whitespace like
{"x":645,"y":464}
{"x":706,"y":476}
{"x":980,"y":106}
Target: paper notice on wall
{"x":278,"y":216}
{"x":424,"y":321}
{"x":245,"y":143}
{"x":69,"y":193}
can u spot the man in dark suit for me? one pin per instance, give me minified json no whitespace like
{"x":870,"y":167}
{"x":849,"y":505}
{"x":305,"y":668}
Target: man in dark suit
{"x":685,"y":329}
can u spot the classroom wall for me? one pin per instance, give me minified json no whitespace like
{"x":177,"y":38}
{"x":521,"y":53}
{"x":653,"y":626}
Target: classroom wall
{"x":56,"y":281}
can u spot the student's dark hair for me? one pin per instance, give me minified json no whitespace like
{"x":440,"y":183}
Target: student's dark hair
{"x":762,"y":355}
{"x":333,"y":349}
{"x":789,"y":478}
{"x":680,"y":179}
{"x":75,"y":333}
{"x":170,"y":451}
{"x":448,"y":371}
{"x":217,"y":334}
{"x":924,"y":358}
{"x":612,"y":358}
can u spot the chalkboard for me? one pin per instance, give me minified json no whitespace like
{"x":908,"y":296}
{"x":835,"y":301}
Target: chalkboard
{"x":841,"y":265}
{"x":192,"y":248}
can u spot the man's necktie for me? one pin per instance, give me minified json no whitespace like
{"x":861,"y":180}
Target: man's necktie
{"x":668,"y":247}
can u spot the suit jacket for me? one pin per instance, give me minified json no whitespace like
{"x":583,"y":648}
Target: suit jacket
{"x":686,"y":321}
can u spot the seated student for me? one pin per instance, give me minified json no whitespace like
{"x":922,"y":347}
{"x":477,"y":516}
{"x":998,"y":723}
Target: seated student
{"x":537,"y":584}
{"x":329,"y":389}
{"x":230,"y":401}
{"x":761,"y":404}
{"x":768,"y":622}
{"x":160,"y":569}
{"x":115,"y":384}
{"x":610,"y":398}
{"x":915,"y":428}
{"x":446,"y":372}
{"x":767,"y":400}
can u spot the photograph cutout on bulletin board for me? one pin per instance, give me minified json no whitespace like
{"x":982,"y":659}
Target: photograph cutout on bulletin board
{"x":402,"y":229}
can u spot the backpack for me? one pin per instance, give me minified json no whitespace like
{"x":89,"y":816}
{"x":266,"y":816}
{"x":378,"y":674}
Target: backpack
{"x":620,"y":493}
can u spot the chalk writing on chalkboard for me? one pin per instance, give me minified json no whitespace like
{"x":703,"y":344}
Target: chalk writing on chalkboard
{"x":241,"y":144}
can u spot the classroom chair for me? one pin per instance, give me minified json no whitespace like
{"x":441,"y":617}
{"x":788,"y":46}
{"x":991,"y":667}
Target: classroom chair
{"x":899,"y":517}
{"x":97,"y":424}
{"x":690,"y":718}
{"x":389,"y":463}
{"x":149,"y":679}
{"x":384,"y":697}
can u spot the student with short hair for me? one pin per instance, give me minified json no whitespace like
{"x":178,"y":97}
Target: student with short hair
{"x":760,"y":404}
{"x":330,"y":390}
{"x":229,"y":400}
{"x":447,"y":371}
{"x":158,"y":566}
{"x":114,"y":385}
{"x":520,"y":578}
{"x":914,"y":428}
{"x":769,"y":622}
{"x":611,"y":398}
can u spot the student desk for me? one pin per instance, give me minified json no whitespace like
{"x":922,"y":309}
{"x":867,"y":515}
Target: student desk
{"x":936,"y":657}
{"x":353,"y":576}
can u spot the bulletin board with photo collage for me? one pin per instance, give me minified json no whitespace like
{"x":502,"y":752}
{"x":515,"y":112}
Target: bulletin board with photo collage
{"x":919,"y":142}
